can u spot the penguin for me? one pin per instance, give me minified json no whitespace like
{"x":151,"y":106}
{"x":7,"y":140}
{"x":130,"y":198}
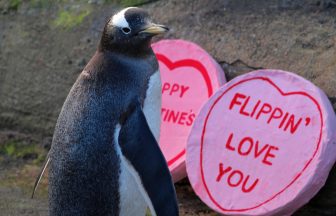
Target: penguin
{"x":104,"y":158}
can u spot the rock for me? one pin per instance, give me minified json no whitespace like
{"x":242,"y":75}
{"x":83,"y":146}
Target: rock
{"x":326,"y":3}
{"x":81,"y":63}
{"x":265,"y":37}
{"x":241,"y":35}
{"x":46,"y":143}
{"x":256,"y":34}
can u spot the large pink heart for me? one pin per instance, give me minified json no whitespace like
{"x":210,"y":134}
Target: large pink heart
{"x":295,"y":144}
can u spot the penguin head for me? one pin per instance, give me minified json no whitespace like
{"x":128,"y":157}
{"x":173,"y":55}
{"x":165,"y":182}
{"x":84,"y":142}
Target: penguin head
{"x":130,"y":31}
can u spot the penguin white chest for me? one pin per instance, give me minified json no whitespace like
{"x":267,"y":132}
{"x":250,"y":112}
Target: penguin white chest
{"x":152,"y":104}
{"x":133,"y":197}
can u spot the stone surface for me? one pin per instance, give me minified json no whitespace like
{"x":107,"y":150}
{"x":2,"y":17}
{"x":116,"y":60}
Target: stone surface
{"x":39,"y":61}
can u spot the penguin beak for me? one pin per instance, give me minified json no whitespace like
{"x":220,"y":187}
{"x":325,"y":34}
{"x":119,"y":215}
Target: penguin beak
{"x":154,"y":29}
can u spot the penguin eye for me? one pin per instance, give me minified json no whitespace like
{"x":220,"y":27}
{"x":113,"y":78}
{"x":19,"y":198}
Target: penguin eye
{"x":126,"y":30}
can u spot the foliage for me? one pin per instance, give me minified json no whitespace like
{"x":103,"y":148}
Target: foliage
{"x":16,"y":149}
{"x":69,"y":19}
{"x":14,"y":4}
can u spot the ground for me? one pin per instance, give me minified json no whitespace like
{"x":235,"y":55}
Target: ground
{"x":44,"y":46}
{"x":19,"y":168}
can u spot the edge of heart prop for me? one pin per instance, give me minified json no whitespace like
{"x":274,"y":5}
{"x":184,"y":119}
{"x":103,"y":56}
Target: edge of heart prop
{"x":314,"y":178}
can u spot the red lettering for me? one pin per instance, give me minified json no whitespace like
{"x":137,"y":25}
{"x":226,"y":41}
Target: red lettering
{"x":235,"y":100}
{"x":172,"y":116}
{"x":240,"y":178}
{"x":183,"y":90}
{"x":164,"y":114}
{"x":293,"y":126}
{"x":253,"y":185}
{"x":242,"y":109}
{"x":258,"y":152}
{"x":266,"y":108}
{"x":235,"y":178}
{"x":222,"y":171}
{"x":191,"y":119}
{"x":276,"y":114}
{"x":165,"y":87}
{"x":283,"y":120}
{"x":269,"y":155}
{"x":174,"y":88}
{"x":248,"y":140}
{"x":247,"y":145}
{"x":255,"y":108}
{"x":177,"y":117}
{"x":182,"y":118}
{"x":287,"y":121}
{"x":228,"y":142}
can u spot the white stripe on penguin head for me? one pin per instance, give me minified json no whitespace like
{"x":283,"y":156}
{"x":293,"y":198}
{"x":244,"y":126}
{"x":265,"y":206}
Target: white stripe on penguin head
{"x":119,"y":19}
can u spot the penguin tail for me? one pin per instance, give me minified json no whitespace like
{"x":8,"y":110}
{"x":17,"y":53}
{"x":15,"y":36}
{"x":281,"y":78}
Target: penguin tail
{"x":39,"y":177}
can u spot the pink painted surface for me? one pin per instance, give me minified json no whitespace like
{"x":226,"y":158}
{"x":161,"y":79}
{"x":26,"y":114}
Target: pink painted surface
{"x":189,"y":77}
{"x":263,"y":144}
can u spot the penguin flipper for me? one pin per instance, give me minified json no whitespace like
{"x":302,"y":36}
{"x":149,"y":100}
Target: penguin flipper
{"x":39,"y":177}
{"x":141,"y":150}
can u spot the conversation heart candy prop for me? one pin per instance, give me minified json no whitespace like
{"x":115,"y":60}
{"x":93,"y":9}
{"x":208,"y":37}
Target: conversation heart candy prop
{"x":262,"y":145}
{"x":189,"y":77}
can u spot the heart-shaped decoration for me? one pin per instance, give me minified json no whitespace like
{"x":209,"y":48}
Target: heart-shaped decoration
{"x":189,"y":77}
{"x":256,"y":147}
{"x":178,"y":89}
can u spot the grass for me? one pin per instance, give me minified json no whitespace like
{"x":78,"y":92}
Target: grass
{"x":20,"y":162}
{"x":70,"y":19}
{"x":14,"y":4}
{"x":16,"y":149}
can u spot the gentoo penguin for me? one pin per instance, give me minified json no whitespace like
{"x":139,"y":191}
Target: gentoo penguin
{"x":104,"y":159}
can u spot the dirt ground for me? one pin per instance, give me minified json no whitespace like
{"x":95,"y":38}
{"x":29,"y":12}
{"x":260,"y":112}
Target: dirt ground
{"x":20,"y":164}
{"x":43,"y":48}
{"x":19,"y":168}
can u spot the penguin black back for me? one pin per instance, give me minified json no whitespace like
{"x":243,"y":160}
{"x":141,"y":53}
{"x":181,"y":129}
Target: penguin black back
{"x":84,"y":161}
